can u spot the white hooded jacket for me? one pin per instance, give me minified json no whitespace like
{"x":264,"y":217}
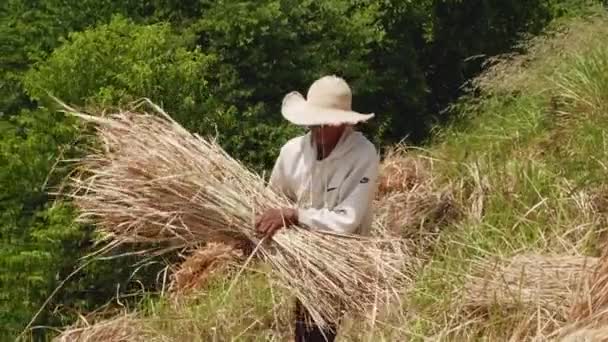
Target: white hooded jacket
{"x":336,"y":193}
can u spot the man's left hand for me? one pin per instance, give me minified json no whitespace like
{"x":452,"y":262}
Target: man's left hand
{"x":272,"y":220}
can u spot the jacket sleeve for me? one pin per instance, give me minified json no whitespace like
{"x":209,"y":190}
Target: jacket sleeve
{"x":360,"y":189}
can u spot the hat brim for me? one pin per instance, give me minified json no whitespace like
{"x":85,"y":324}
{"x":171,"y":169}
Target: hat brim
{"x":298,"y":111}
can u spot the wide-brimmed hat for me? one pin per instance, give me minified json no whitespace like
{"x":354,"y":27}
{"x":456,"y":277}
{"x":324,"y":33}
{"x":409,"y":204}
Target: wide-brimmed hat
{"x":328,"y":102}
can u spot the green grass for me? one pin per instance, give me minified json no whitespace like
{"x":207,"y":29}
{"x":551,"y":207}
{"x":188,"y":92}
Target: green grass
{"x":251,"y":311}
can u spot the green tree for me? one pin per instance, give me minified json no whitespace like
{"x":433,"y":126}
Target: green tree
{"x":122,"y":61}
{"x":119,"y":62}
{"x":275,"y":46}
{"x":31,"y":29}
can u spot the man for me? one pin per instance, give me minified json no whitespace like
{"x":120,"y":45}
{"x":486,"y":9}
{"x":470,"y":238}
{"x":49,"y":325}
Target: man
{"x":329,"y":173}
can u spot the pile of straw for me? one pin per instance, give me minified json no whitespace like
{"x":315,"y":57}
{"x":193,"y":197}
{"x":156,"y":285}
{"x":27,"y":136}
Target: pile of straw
{"x":123,"y":328}
{"x":409,"y":203}
{"x":538,"y":290}
{"x":418,"y":215}
{"x":588,"y":317}
{"x":593,"y":303}
{"x":152,"y":183}
{"x":532,"y":281}
{"x":201,"y":264}
{"x":556,"y":298}
{"x":587,"y":335}
{"x":401,"y":173}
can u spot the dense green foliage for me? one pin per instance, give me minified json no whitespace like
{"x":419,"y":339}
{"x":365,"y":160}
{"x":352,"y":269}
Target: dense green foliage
{"x":220,"y":68}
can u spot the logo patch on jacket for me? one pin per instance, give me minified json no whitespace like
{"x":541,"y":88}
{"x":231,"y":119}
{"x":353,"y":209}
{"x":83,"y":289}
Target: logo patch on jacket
{"x":364,"y":180}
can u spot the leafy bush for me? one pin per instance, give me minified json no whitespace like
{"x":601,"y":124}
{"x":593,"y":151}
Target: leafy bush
{"x":275,"y":46}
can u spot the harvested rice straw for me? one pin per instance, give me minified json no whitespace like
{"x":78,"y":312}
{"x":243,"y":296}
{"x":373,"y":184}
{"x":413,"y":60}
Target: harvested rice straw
{"x":594,"y":300}
{"x":409,"y":202}
{"x":589,"y":329}
{"x":590,"y":309}
{"x":533,"y":324}
{"x":417,"y":214}
{"x":124,"y":328}
{"x":587,"y":335}
{"x":533,"y":281}
{"x":151,"y":181}
{"x":400,"y":173}
{"x":201,"y":264}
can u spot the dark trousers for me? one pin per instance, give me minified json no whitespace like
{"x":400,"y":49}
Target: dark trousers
{"x":307,"y":331}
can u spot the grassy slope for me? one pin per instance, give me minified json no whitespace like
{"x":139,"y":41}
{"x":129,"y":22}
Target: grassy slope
{"x":535,"y":150}
{"x":527,"y":165}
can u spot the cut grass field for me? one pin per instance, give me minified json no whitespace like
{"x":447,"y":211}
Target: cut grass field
{"x":522,"y":183}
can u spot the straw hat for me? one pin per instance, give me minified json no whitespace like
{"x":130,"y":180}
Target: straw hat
{"x":328,"y":102}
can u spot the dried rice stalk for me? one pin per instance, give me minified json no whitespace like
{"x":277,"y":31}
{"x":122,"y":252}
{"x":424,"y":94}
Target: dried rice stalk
{"x":534,"y":325}
{"x":151,"y":181}
{"x":202,"y":264}
{"x":418,"y":214}
{"x":589,"y":314}
{"x":124,"y":328}
{"x":595,"y":298}
{"x":533,"y":281}
{"x":401,"y":173}
{"x":409,"y":203}
{"x":587,"y":335}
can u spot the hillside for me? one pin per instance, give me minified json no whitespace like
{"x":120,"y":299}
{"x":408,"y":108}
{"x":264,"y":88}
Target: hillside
{"x":529,"y":172}
{"x":508,"y":206}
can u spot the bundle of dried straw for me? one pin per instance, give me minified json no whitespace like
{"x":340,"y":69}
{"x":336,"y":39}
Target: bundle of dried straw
{"x":588,"y":319}
{"x":152,"y":182}
{"x":529,"y":280}
{"x":410,"y":202}
{"x":201,"y":264}
{"x":586,"y":335}
{"x":401,"y":173}
{"x":593,"y":302}
{"x":123,"y":328}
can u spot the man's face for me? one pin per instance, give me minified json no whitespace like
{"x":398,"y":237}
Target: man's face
{"x":327,"y":136}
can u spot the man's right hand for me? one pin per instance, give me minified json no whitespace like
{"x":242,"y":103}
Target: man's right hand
{"x":272,"y":220}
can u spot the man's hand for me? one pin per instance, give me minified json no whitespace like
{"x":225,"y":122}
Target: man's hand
{"x":272,"y":220}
